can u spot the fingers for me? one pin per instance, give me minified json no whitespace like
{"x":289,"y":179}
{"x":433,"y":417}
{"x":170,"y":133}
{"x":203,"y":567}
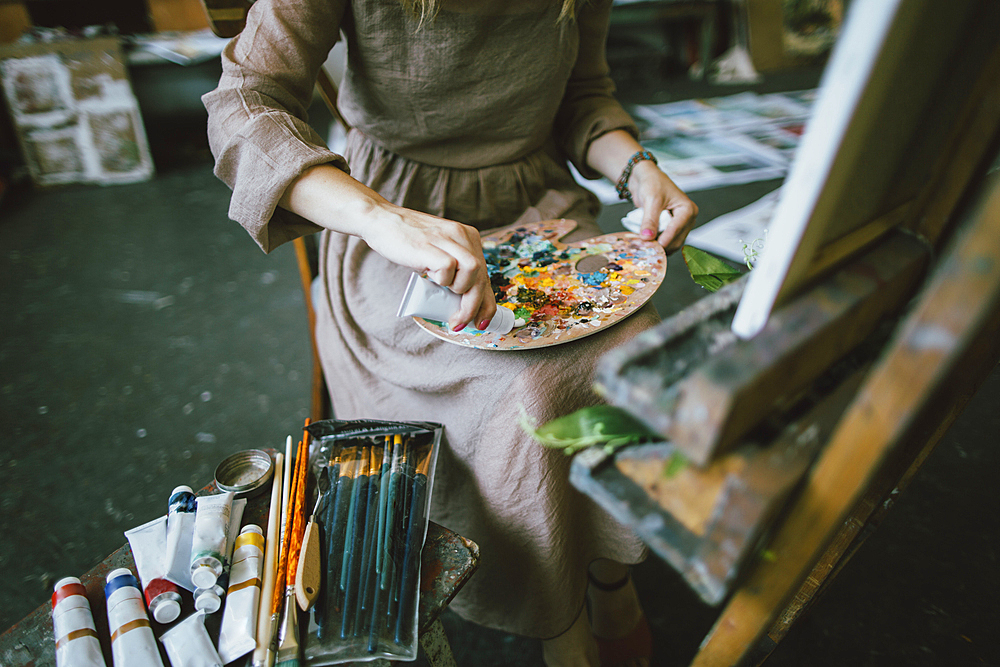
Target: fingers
{"x":478,"y":308}
{"x":682,"y":219}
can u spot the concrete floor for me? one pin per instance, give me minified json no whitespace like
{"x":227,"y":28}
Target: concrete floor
{"x":145,"y":337}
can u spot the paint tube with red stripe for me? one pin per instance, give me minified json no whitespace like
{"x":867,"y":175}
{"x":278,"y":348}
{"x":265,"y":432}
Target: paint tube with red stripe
{"x":132,"y":641}
{"x":73,"y":626}
{"x":149,"y":545}
{"x":238,"y":634}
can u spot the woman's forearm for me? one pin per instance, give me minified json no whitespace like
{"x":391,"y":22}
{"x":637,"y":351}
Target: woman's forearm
{"x":332,"y":199}
{"x":448,"y":252}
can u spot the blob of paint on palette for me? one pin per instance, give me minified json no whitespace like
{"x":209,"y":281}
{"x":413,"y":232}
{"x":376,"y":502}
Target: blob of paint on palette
{"x":560,"y":292}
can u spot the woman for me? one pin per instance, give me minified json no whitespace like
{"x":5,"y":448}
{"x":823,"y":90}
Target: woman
{"x":464,"y":115}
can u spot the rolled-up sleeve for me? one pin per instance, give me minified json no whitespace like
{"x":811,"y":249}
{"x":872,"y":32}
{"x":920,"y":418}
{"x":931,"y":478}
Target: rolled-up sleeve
{"x":589,"y":108}
{"x":257,"y":128}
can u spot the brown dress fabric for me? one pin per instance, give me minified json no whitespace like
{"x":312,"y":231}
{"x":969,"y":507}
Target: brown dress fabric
{"x":470,"y":116}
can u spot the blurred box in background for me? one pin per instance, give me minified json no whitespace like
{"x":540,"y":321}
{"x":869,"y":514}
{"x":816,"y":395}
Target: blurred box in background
{"x":74,"y":113}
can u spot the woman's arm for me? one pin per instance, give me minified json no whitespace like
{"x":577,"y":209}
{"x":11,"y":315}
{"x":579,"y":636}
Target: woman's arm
{"x":652,"y":190}
{"x":287,"y":183}
{"x":449,"y":252}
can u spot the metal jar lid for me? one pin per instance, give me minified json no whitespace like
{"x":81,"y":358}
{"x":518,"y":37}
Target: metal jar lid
{"x":245,"y":473}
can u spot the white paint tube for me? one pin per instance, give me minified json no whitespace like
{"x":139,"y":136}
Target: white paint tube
{"x":73,"y":626}
{"x":238,"y":633}
{"x":188,"y":644}
{"x":425,"y":298}
{"x":236,"y":518}
{"x":180,"y":530}
{"x":132,"y":641}
{"x":633,"y":221}
{"x":209,"y":599}
{"x":211,"y":538}
{"x":149,"y":546}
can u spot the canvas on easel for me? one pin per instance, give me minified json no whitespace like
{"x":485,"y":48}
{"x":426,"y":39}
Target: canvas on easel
{"x":891,"y":94}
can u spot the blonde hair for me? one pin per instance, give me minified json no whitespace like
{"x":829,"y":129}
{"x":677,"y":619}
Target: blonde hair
{"x":427,"y":9}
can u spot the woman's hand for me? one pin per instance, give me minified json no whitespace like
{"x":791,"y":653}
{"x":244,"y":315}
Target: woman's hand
{"x":651,"y":189}
{"x":447,"y":252}
{"x":654,"y":192}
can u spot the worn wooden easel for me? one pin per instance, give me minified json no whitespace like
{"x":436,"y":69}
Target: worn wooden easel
{"x":784,"y":445}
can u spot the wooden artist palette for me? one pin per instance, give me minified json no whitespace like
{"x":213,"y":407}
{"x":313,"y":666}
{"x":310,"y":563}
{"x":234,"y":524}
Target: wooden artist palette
{"x":561,"y":291}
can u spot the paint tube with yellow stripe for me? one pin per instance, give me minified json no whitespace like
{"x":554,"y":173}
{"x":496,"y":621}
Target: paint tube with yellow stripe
{"x":238,"y":633}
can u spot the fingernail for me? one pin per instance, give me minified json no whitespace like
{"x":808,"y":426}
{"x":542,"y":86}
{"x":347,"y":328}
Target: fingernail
{"x":647,"y":234}
{"x":482,"y":325}
{"x":460,"y":327}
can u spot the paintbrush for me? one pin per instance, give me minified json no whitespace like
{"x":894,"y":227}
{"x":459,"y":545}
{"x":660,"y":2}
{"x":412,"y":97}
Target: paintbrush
{"x":270,"y":566}
{"x":376,"y":619}
{"x":400,"y":521}
{"x":354,"y":543}
{"x":279,"y":580}
{"x":336,"y":530}
{"x":368,"y":555}
{"x":308,"y":570}
{"x":414,"y":538}
{"x":288,"y":637}
{"x":392,"y":505}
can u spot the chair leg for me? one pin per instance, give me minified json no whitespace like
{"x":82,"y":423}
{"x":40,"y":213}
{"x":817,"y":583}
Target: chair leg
{"x":435,"y":644}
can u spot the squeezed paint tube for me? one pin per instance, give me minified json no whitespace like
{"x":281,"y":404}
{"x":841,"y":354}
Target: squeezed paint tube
{"x":73,"y":626}
{"x":180,"y":529}
{"x":238,"y":633}
{"x":210,"y":540}
{"x":425,"y":298}
{"x":132,"y":641}
{"x":633,"y":221}
{"x":149,"y":544}
{"x":188,"y":644}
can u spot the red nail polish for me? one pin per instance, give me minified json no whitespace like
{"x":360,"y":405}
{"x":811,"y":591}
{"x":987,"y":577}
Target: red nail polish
{"x":459,"y":327}
{"x":483,"y":325}
{"x":647,"y":234}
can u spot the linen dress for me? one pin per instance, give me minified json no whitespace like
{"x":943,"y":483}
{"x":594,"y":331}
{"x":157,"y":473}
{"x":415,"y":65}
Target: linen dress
{"x":470,"y":116}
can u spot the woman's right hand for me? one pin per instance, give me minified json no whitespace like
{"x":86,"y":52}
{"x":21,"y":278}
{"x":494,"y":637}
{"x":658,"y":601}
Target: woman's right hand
{"x":447,"y":252}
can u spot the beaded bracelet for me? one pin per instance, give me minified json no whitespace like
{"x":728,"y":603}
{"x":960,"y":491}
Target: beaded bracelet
{"x":622,"y":186}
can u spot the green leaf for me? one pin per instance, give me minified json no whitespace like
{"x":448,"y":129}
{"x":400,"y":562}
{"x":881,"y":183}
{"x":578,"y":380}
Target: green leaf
{"x":675,"y":464}
{"x":708,"y":270}
{"x":603,"y":425}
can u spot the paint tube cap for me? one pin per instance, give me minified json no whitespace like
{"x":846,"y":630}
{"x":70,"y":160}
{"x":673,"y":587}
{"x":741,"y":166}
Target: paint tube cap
{"x":204,"y":576}
{"x":502,"y":322}
{"x":120,"y":572}
{"x":65,"y":581}
{"x":207,"y":601}
{"x":165,"y":608}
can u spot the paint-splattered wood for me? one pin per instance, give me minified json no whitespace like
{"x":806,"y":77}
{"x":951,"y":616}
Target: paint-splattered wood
{"x":706,"y":522}
{"x":447,"y":562}
{"x":939,"y":356}
{"x":732,"y":385}
{"x":561,"y":291}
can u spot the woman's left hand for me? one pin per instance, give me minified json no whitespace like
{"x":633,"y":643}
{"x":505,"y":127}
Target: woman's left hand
{"x":654,"y":192}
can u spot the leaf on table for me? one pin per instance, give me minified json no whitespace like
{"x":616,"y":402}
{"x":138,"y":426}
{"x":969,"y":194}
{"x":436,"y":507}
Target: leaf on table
{"x":708,"y":270}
